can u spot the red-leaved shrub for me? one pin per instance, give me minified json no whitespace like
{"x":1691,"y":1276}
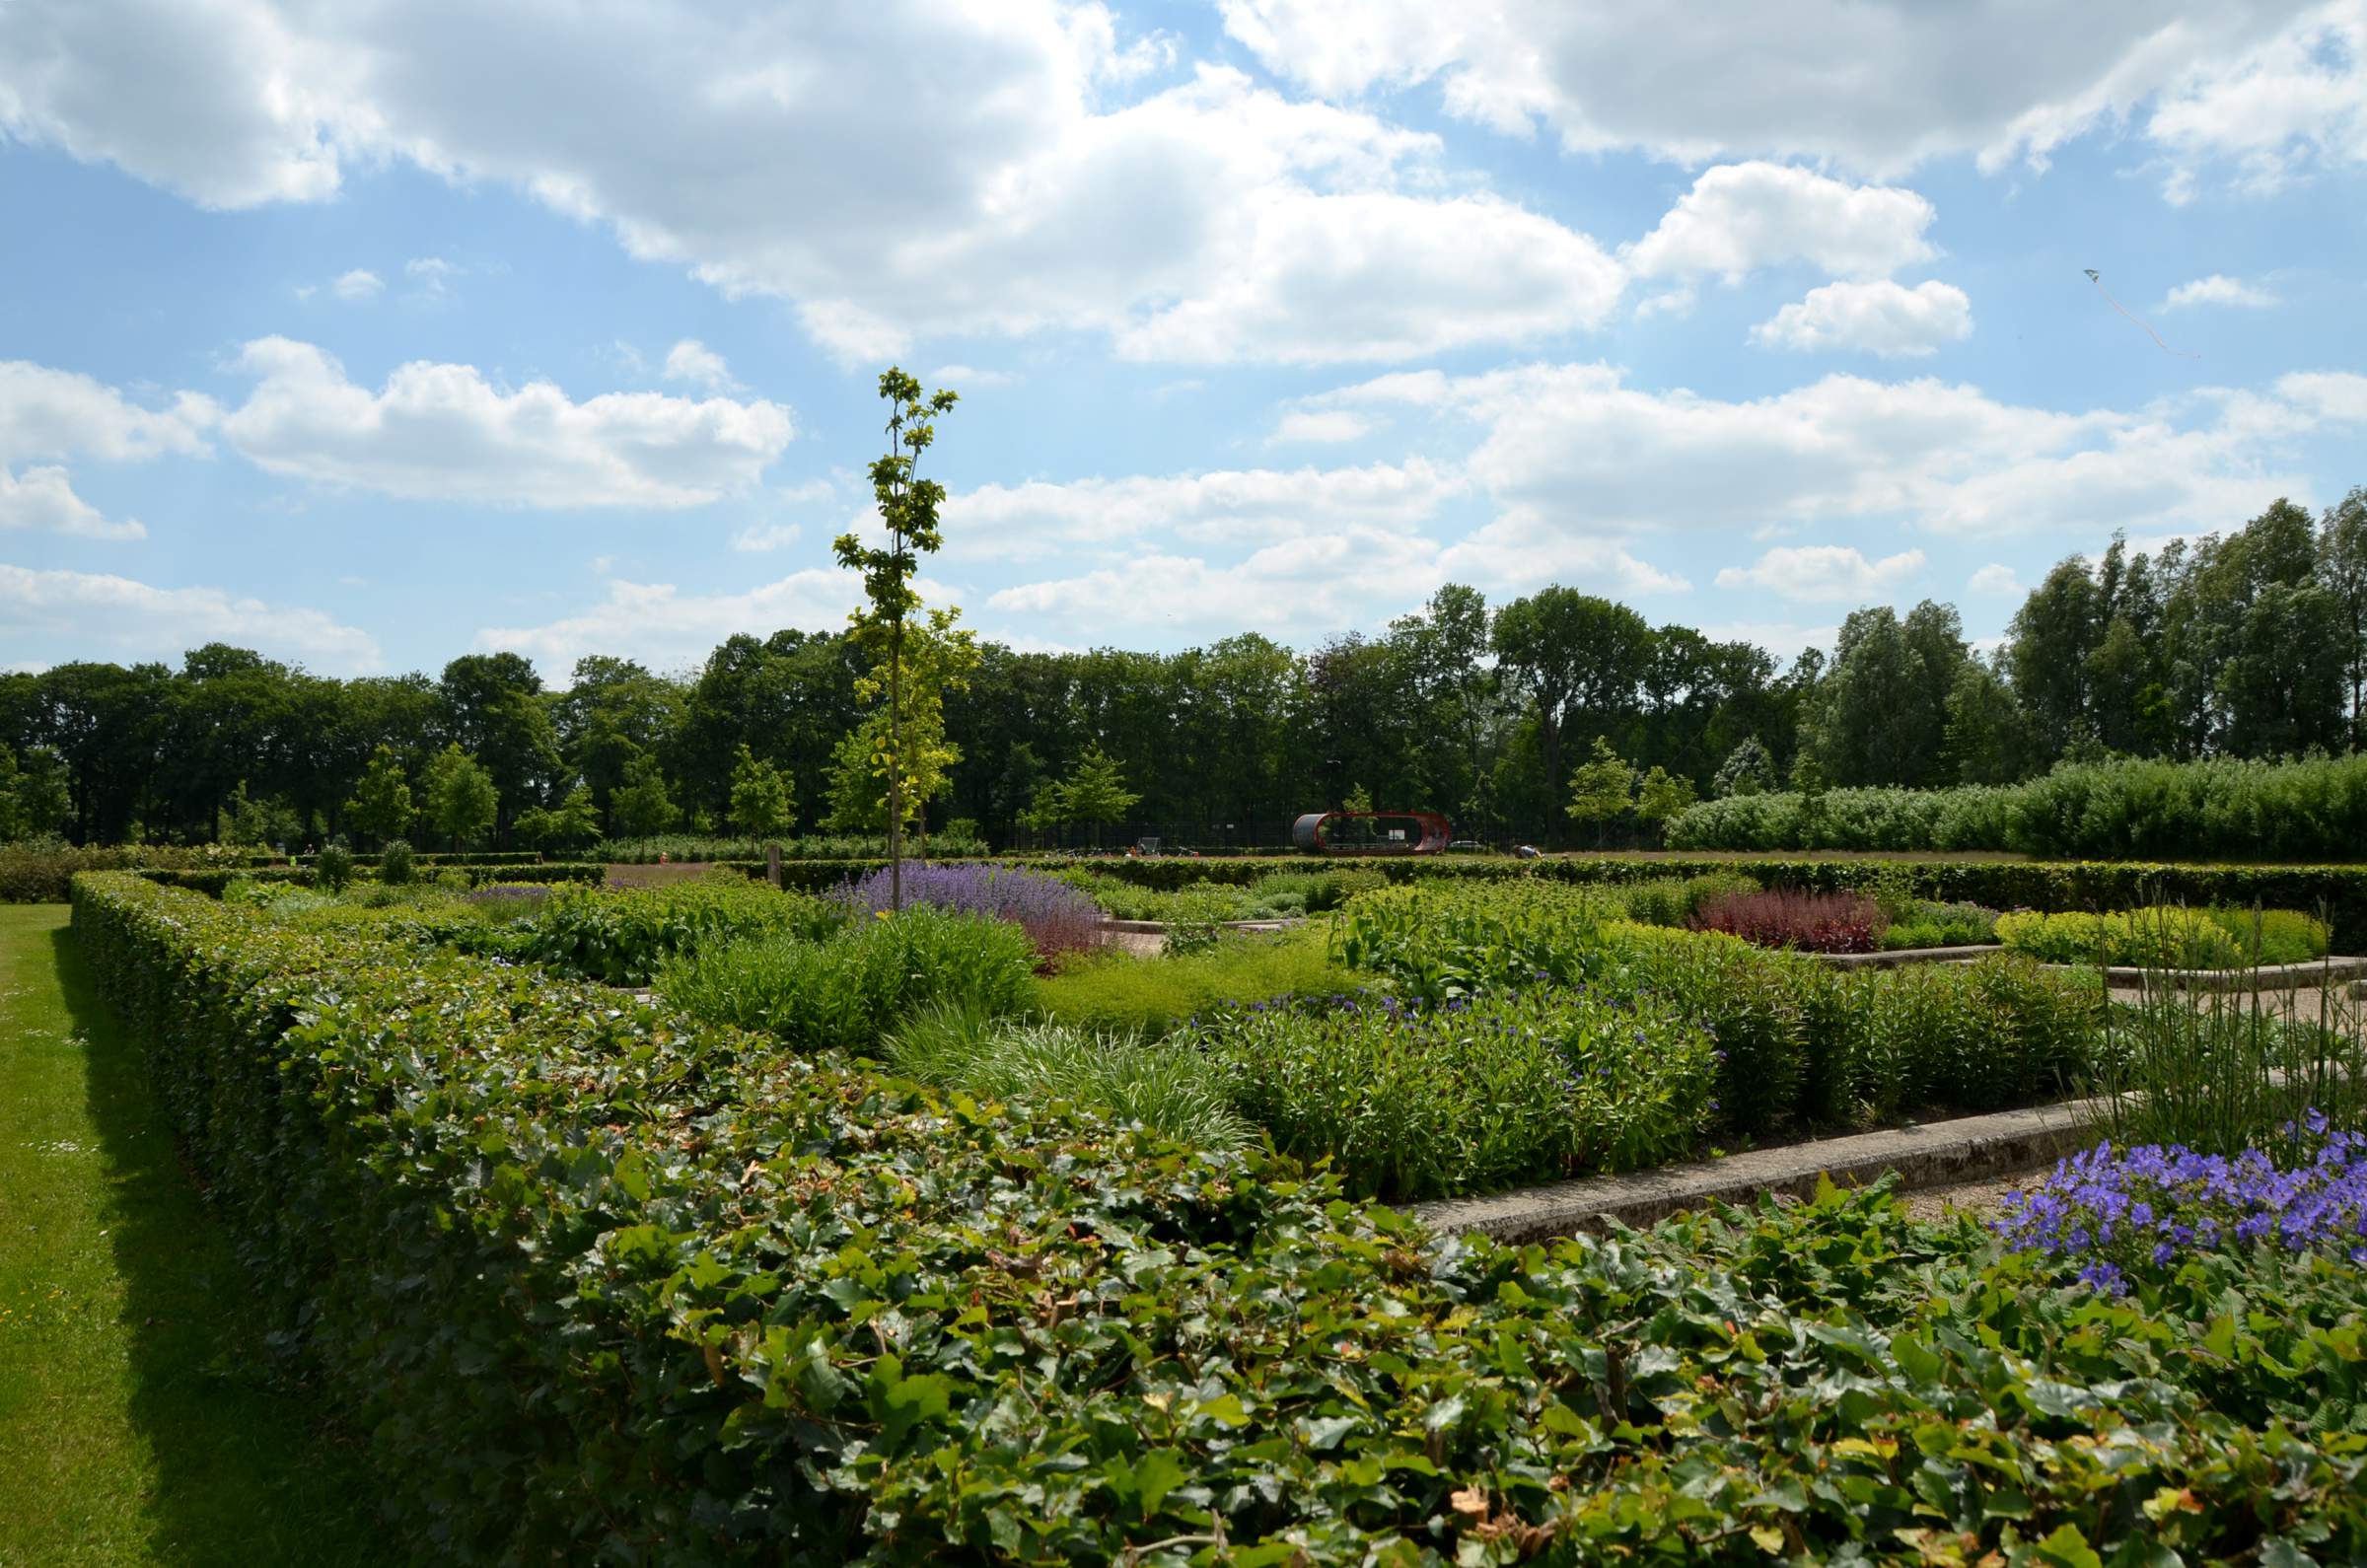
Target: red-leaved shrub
{"x":1785,"y":917}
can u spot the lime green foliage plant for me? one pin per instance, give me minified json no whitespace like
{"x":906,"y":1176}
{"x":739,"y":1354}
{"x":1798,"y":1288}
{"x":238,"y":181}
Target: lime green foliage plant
{"x":1120,"y":993}
{"x":2166,"y":936}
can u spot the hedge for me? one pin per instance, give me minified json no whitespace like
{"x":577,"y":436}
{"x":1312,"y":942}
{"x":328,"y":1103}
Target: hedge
{"x":595,"y":1285}
{"x":2224,"y":808}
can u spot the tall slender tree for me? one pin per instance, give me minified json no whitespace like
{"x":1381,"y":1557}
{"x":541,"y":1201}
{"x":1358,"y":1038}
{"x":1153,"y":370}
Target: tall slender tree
{"x":909,"y":506}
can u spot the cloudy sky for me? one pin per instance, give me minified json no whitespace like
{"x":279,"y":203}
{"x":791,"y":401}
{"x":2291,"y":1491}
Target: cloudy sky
{"x":368,"y":333}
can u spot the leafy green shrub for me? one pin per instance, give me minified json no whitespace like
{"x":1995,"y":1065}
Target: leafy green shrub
{"x":42,"y":870}
{"x":1973,"y":1037}
{"x":1413,"y":1101}
{"x":1773,"y":1070}
{"x":695,"y":848}
{"x":1924,"y":923}
{"x":1118,"y":993}
{"x":2221,"y":809}
{"x":396,"y":864}
{"x":1678,"y":901}
{"x":587,"y":1279}
{"x":1317,"y":891}
{"x":622,"y":938}
{"x":2161,"y":937}
{"x":1436,"y":940}
{"x":333,"y":867}
{"x":849,"y":988}
{"x":1177,"y":1094}
{"x":2274,"y":936}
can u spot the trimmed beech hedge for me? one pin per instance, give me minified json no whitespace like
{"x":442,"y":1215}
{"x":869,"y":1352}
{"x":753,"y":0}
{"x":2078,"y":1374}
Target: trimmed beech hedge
{"x":597,"y":1285}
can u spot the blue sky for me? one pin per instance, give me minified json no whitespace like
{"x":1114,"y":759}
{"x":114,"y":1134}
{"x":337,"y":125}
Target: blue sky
{"x":370,"y":336}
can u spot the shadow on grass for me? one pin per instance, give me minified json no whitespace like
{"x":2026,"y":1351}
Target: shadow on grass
{"x":248,"y":1473}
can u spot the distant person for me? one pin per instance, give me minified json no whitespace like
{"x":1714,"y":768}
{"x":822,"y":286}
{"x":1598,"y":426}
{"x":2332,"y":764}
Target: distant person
{"x":1526,"y":852}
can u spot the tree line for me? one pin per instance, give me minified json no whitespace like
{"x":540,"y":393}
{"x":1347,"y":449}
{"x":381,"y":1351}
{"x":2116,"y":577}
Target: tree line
{"x":2251,"y":644}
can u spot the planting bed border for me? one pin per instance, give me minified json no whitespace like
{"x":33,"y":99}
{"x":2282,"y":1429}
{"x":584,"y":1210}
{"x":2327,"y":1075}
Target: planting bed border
{"x":2330,"y":971}
{"x":1924,"y":1155}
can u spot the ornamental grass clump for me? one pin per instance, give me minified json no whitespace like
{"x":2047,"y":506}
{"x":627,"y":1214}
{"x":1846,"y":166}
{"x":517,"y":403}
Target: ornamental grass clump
{"x":1414,"y":1101}
{"x":2127,"y":1214}
{"x":1057,"y":917}
{"x":1810,"y":922}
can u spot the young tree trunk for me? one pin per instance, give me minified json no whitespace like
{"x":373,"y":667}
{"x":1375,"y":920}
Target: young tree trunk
{"x":896,"y":754}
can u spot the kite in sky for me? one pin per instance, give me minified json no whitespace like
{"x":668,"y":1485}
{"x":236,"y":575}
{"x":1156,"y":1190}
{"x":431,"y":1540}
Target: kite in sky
{"x":2097,"y":279}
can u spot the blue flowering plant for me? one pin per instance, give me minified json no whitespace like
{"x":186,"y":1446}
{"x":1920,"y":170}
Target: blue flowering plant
{"x":2124,"y":1214}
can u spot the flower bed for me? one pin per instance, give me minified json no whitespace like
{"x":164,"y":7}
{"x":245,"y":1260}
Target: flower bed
{"x":1057,"y":917}
{"x":2135,"y":1214}
{"x":593,"y":1283}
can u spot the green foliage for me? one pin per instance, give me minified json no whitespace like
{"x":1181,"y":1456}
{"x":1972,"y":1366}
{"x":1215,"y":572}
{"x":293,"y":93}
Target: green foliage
{"x":381,"y":807}
{"x":2166,"y":936}
{"x":1118,"y":993}
{"x":249,"y":823}
{"x":593,"y":1274}
{"x":1660,"y":798}
{"x":1437,"y":942}
{"x":846,"y":990}
{"x":856,"y":854}
{"x":1094,"y":793}
{"x":571,"y":825}
{"x":762,"y":804}
{"x":623,"y":938}
{"x":1415,"y":1102}
{"x":333,"y":867}
{"x":1177,"y":1094}
{"x":1676,"y":900}
{"x":1924,"y":923}
{"x":460,"y":798}
{"x":396,"y":864}
{"x":1603,"y":788}
{"x":641,"y":805}
{"x":34,"y":794}
{"x":2222,"y":808}
{"x":2221,"y":1072}
{"x":1748,"y":770}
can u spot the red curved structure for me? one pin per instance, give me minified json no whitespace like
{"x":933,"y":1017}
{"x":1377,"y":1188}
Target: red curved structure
{"x":1422,"y":833}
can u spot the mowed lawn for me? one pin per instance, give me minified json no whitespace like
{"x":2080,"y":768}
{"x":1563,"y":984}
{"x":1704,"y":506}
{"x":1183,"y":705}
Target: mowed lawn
{"x":138,"y":1423}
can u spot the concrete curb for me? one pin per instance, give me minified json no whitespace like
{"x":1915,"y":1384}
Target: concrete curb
{"x":1936,"y":1154}
{"x":1160,"y":928}
{"x":2274,"y":978}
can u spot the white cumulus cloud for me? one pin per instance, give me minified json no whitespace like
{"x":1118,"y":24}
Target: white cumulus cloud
{"x":43,"y":500}
{"x":1825,"y":573}
{"x":1996,"y":578}
{"x":1321,"y":426}
{"x":1877,"y":85}
{"x":693,"y":361}
{"x":101,"y":615}
{"x":1741,"y":217}
{"x":444,"y":432}
{"x":1879,"y":317}
{"x":2218,"y":289}
{"x":358,"y":284}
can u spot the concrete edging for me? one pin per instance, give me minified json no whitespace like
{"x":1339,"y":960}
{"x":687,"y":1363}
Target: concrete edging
{"x":1928,"y":1155}
{"x":1160,"y":928}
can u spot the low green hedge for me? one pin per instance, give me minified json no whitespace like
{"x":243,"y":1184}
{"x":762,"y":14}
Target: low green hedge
{"x":592,"y":1284}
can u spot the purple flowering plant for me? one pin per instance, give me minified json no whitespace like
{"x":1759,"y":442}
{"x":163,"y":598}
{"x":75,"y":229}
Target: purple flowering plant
{"x":2127,"y":1214}
{"x":1056,"y":916}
